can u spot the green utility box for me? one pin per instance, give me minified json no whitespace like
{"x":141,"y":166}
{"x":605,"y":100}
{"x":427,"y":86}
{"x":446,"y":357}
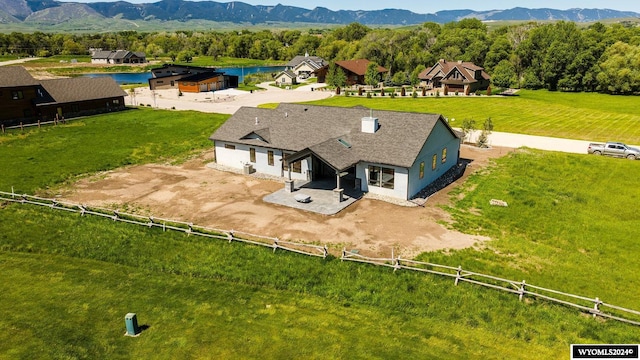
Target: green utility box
{"x":131,"y":320}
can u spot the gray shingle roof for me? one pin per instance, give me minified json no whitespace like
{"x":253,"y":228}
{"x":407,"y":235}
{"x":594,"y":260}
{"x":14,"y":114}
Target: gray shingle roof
{"x":82,"y":89}
{"x":300,"y":58}
{"x":295,"y":127}
{"x":14,"y":76}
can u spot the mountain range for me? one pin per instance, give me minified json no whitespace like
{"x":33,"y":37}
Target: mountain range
{"x":55,"y":12}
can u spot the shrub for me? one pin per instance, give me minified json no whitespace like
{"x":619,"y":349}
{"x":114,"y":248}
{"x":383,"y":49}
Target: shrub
{"x":368,"y":95}
{"x":414,"y":95}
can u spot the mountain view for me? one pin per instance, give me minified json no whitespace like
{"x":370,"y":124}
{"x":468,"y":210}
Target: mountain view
{"x":52,"y":12}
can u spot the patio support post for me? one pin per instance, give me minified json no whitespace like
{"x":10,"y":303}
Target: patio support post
{"x":338,"y":191}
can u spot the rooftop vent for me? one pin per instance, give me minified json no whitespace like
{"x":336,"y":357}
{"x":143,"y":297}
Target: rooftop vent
{"x":369,"y":125}
{"x":257,"y":122}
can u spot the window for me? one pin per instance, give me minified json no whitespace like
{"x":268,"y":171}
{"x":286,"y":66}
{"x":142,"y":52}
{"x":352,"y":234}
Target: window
{"x":444,"y":155}
{"x":160,"y":81}
{"x":116,"y":101}
{"x":229,"y":146}
{"x":434,"y":162}
{"x":270,"y":157}
{"x":252,"y":155}
{"x":422,"y":170}
{"x":381,"y":177}
{"x":296,"y":167}
{"x":17,"y":95}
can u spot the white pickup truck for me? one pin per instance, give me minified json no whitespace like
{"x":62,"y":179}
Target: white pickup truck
{"x":614,"y":149}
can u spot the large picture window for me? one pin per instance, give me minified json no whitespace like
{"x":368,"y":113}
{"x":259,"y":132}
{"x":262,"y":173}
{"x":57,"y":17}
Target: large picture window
{"x":444,"y":155}
{"x":17,"y":95}
{"x":422,"y":170}
{"x":270,"y":158}
{"x":434,"y":162}
{"x":230,"y":147}
{"x":381,"y":177}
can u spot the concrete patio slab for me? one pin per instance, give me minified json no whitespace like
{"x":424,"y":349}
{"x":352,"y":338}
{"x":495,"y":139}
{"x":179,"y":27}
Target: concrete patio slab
{"x":321,"y":194}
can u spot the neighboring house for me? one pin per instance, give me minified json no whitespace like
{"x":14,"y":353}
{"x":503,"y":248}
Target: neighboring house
{"x":190,"y":78}
{"x":390,"y":153}
{"x":18,"y":89}
{"x":286,"y":77}
{"x":203,"y":82}
{"x":455,"y":76}
{"x":27,"y":100}
{"x":355,"y":70}
{"x":305,"y":66}
{"x":118,"y":57}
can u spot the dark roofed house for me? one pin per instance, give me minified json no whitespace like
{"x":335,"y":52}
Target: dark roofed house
{"x":27,"y":100}
{"x":455,"y":76}
{"x":389,"y":153}
{"x":190,"y":78}
{"x":355,"y":70}
{"x":17,"y":89}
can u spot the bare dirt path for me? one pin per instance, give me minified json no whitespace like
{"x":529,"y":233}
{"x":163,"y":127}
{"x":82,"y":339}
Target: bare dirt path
{"x":192,"y":192}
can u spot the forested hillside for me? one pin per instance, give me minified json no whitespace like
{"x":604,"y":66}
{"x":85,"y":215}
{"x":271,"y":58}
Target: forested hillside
{"x":557,"y":56}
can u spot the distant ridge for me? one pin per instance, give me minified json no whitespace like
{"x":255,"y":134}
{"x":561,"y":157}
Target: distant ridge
{"x":55,"y":12}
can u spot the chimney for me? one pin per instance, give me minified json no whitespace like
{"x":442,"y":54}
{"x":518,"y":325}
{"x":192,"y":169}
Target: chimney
{"x":369,"y":125}
{"x":257,"y":120}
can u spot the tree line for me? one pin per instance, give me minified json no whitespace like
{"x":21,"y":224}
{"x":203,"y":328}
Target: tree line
{"x":556,"y":56}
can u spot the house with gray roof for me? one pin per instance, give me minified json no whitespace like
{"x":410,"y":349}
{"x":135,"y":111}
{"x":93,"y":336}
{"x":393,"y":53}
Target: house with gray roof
{"x":389,"y":153}
{"x":286,"y":77}
{"x":118,"y":57}
{"x":304,"y":66}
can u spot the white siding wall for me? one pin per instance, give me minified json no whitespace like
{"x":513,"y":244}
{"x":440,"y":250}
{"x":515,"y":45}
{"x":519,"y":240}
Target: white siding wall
{"x":240,"y":155}
{"x":439,"y":139}
{"x":99,"y":61}
{"x":401,"y":179}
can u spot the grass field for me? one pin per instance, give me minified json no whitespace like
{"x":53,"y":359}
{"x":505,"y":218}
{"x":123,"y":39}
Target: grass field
{"x":70,"y":280}
{"x":41,"y":158}
{"x":582,"y":116}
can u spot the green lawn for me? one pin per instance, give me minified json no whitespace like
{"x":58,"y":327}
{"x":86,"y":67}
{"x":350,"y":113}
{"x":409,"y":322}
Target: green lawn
{"x":69,"y":280}
{"x":42,"y":158}
{"x":583,"y":116}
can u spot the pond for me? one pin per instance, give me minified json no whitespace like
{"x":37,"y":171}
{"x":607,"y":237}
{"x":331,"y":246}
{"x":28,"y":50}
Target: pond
{"x":142,"y":78}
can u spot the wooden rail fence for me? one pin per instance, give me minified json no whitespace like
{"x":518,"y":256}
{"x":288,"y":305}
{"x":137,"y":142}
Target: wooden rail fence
{"x":593,"y":306}
{"x":166,"y":224}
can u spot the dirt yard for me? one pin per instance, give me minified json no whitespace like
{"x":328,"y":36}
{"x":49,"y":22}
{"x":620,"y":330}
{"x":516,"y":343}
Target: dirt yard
{"x":207,"y":197}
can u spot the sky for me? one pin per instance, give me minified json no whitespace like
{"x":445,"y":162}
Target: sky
{"x":431,"y":6}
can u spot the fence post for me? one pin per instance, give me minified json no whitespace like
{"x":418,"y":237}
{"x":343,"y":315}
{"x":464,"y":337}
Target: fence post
{"x":596,"y":307}
{"x":458,"y":272}
{"x":396,"y":266}
{"x":2,"y":128}
{"x":115,"y":215}
{"x":344,"y":254}
{"x":326,"y":252}
{"x":190,"y":225}
{"x":275,"y":244}
{"x":230,"y":236}
{"x":150,"y":224}
{"x":522,"y":290}
{"x":82,"y":210}
{"x":21,"y":126}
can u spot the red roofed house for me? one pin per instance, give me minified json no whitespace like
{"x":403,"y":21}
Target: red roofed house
{"x":456,"y":76}
{"x":356,"y":69}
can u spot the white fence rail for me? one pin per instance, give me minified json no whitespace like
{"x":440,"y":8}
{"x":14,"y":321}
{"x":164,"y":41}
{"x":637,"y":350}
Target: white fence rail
{"x":594,"y":306}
